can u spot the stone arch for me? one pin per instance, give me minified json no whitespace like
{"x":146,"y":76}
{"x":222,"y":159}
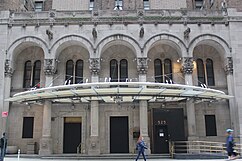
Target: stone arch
{"x":215,"y":48}
{"x":22,"y":43}
{"x":167,"y":39}
{"x":165,"y":47}
{"x":123,"y":40}
{"x":69,"y":40}
{"x":18,"y":45}
{"x":213,"y":40}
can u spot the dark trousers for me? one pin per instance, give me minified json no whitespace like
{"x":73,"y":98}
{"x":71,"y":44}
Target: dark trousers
{"x":143,"y":154}
{"x":2,"y":154}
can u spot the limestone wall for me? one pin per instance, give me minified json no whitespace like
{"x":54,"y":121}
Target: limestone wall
{"x":72,"y":40}
{"x":70,"y":4}
{"x":3,"y":46}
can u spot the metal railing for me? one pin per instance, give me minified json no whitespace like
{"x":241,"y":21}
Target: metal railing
{"x":79,"y":148}
{"x":201,"y":147}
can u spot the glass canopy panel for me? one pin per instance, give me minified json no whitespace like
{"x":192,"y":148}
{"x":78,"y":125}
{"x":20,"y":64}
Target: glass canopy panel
{"x":191,"y":93}
{"x":174,"y":92}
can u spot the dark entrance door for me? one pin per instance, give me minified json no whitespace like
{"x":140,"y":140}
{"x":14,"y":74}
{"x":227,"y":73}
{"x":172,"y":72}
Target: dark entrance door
{"x":72,"y":134}
{"x":161,"y":139}
{"x":168,"y":125}
{"x":119,"y":135}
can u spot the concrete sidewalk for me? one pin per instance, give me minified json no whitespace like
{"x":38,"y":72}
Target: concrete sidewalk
{"x":165,"y":159}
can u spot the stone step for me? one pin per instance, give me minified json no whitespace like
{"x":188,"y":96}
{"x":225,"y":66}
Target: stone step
{"x":81,"y":156}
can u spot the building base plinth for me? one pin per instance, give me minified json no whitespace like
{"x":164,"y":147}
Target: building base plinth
{"x":94,"y":146}
{"x":147,"y":142}
{"x":45,"y":146}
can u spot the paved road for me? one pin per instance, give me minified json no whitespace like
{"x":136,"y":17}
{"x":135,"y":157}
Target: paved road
{"x":38,"y":159}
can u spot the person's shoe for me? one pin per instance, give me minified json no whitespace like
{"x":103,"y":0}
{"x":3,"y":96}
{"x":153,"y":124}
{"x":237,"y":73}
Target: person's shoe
{"x":237,"y":156}
{"x":234,"y":157}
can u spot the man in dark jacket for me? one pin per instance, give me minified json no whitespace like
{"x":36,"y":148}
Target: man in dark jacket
{"x":3,"y":146}
{"x":230,"y":145}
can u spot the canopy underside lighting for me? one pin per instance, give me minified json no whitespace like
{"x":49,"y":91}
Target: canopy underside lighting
{"x":113,"y":92}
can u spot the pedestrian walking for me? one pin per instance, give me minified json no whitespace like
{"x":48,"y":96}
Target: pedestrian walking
{"x":232,"y":155}
{"x":3,"y":146}
{"x":140,"y":146}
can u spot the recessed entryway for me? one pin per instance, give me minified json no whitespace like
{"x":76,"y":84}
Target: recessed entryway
{"x":72,"y":134}
{"x":119,"y":135}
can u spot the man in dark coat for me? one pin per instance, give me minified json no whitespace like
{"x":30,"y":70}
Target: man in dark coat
{"x":230,"y":145}
{"x":3,"y":146}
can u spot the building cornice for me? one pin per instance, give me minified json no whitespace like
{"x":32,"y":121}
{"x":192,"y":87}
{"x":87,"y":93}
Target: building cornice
{"x":113,"y":17}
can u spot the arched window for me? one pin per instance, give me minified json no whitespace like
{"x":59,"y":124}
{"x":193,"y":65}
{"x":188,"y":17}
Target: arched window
{"x":210,"y":73}
{"x":123,"y":70}
{"x":69,"y":72}
{"x":27,"y":74}
{"x":118,"y":70}
{"x":36,"y":73}
{"x":205,"y":72}
{"x":114,"y":70}
{"x":79,"y":71}
{"x":200,"y":72}
{"x":167,"y":70}
{"x":158,"y":71}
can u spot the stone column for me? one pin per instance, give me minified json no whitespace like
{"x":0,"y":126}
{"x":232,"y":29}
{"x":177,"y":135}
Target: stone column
{"x":143,"y":115}
{"x":7,"y":90}
{"x":143,"y":105}
{"x":46,"y":140}
{"x":187,"y":69}
{"x":94,"y":143}
{"x":234,"y":117}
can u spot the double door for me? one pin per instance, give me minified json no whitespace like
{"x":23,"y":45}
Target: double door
{"x":72,"y":134}
{"x":119,"y":135}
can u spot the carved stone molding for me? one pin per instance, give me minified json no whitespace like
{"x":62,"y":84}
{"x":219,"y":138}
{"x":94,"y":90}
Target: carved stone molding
{"x":186,"y":33}
{"x":50,"y":34}
{"x":187,"y":66}
{"x":94,"y":33}
{"x":142,"y":65}
{"x":49,"y":67}
{"x":94,"y":65}
{"x":8,"y":69}
{"x":140,"y":13}
{"x":229,"y":69}
{"x":141,"y":32}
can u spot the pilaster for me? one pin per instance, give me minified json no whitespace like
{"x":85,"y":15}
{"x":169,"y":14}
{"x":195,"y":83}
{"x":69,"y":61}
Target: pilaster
{"x":8,"y":72}
{"x":142,"y":66}
{"x":143,"y":115}
{"x":94,"y":143}
{"x":187,"y":69}
{"x":234,"y":117}
{"x":46,"y":140}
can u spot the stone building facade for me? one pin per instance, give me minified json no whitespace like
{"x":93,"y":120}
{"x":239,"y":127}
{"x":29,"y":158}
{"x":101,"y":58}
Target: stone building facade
{"x":167,"y":42}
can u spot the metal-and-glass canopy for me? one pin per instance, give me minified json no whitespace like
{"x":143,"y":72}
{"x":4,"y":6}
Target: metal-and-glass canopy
{"x":113,"y":92}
